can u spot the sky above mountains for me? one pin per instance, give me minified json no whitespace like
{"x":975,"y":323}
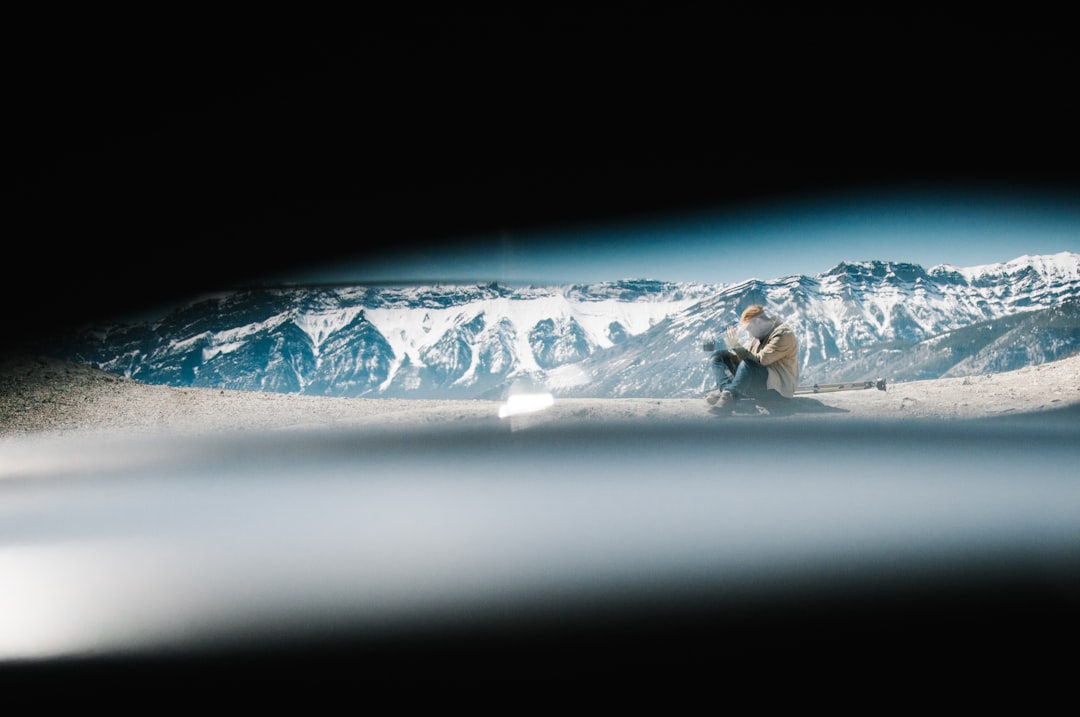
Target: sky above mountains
{"x":760,"y":241}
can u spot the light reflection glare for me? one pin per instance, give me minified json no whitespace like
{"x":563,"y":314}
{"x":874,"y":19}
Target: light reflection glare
{"x":526,"y":403}
{"x":374,"y":535}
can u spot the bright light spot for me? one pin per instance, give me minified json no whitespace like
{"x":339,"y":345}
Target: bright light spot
{"x":526,"y":396}
{"x":525,"y":403}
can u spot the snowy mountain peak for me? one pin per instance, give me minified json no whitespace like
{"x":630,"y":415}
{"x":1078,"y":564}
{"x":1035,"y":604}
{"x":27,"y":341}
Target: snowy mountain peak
{"x":874,"y":270}
{"x":1063,"y":265}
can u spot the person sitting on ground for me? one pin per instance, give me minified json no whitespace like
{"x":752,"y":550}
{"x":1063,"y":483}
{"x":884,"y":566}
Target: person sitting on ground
{"x":765,"y":370}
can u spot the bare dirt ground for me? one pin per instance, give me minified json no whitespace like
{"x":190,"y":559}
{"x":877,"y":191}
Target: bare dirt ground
{"x":40,"y":395}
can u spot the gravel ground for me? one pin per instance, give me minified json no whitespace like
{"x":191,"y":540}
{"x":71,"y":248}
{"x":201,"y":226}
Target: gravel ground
{"x":40,"y":395}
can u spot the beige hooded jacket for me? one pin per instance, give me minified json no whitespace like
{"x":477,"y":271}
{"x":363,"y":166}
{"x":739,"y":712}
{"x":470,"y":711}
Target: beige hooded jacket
{"x":779,"y":352}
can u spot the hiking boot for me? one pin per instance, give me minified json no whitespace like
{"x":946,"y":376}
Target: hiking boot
{"x":721,"y":399}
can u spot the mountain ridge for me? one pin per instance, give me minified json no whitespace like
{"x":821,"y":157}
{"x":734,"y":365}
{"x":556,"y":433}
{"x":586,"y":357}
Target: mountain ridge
{"x":631,"y":337}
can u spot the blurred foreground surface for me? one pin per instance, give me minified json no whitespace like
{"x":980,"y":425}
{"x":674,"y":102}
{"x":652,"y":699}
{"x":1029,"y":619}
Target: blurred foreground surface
{"x":557,"y":556}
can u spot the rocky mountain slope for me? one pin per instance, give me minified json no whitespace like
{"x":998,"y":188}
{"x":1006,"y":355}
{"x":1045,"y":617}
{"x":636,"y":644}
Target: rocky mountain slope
{"x":639,"y":338}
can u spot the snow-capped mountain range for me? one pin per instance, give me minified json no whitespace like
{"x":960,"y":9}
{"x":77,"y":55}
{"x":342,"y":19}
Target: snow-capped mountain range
{"x":630,"y":338}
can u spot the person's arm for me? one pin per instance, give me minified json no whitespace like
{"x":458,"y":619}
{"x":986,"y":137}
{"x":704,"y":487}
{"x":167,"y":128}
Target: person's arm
{"x":776,"y":348}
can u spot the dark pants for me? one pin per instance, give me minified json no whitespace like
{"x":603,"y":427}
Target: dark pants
{"x":744,"y":378}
